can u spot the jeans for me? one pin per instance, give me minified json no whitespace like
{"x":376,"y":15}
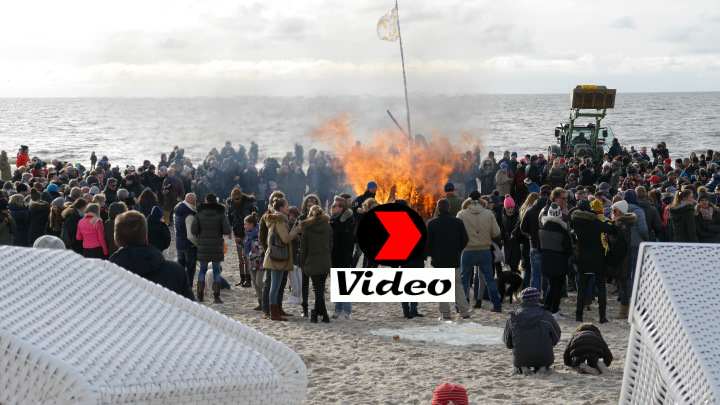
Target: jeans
{"x":482,"y":258}
{"x":216,"y":272}
{"x":525,"y":251}
{"x":276,"y":278}
{"x":188,"y":260}
{"x":266,"y":291}
{"x":460,"y":301}
{"x":536,"y":268}
{"x":341,"y":307}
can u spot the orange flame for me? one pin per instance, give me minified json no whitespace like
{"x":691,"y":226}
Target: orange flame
{"x":413,"y":171}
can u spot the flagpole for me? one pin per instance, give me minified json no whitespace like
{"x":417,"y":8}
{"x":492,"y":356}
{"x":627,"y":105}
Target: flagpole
{"x":402,"y":59}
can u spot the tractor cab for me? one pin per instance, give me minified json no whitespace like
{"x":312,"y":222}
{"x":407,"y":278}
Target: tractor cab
{"x":591,"y":140}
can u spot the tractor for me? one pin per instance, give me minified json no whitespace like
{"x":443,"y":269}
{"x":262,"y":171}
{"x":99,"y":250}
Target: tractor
{"x":591,"y":140}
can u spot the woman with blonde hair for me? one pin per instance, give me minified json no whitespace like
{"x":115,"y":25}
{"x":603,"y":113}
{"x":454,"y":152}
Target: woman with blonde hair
{"x":91,"y":231}
{"x":523,"y":239}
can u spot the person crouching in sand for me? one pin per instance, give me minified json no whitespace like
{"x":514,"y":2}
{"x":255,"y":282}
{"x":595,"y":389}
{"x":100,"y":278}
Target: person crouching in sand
{"x":585,"y":350}
{"x":531,"y":332}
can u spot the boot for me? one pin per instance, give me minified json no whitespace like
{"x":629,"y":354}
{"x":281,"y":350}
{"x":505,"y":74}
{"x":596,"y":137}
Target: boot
{"x":283,"y":313}
{"x":216,"y":294}
{"x":275,"y":313}
{"x":200,"y":291}
{"x":305,"y":311}
{"x":258,"y":307}
{"x":247,"y":281}
{"x":313,"y":316}
{"x":624,"y":310}
{"x":326,"y":317}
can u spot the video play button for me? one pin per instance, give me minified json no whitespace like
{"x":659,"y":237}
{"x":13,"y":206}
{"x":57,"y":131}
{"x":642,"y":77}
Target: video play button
{"x":392,"y":234}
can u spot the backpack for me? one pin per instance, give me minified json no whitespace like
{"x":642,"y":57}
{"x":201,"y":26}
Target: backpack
{"x":618,"y":249}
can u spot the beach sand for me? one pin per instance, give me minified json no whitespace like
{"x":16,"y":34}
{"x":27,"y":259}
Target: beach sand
{"x":348,"y":365}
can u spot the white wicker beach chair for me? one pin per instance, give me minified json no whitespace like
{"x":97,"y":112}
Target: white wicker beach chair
{"x":673,"y":354}
{"x":81,"y":331}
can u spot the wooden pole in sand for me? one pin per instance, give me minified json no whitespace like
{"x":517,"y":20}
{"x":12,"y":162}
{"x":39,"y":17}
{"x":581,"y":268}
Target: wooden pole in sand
{"x":402,"y":60}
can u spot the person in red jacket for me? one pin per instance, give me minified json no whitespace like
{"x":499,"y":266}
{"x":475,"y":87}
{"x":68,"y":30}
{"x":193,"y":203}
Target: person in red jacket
{"x":23,"y":157}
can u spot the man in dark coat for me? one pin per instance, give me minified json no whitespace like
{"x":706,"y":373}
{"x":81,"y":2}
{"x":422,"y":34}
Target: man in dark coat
{"x":531,"y":332}
{"x":136,"y":256}
{"x":343,"y":233}
{"x":590,"y":257}
{"x":447,"y":238}
{"x":186,"y":250}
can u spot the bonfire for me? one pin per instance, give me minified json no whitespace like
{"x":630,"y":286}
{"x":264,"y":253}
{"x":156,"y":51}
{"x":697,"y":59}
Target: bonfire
{"x":414,"y":171}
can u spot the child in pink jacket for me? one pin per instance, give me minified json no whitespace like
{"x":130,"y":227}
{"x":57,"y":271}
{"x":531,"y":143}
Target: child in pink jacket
{"x":91,"y":232}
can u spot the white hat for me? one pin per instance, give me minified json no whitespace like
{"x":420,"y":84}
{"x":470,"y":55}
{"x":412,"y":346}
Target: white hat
{"x":621,"y":206}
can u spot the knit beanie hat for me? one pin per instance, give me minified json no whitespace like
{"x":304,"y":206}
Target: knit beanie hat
{"x":554,"y":210}
{"x":449,"y":187}
{"x":597,"y":206}
{"x":508,"y":203}
{"x":530,"y":295}
{"x":371,"y":185}
{"x":450,"y":393}
{"x":621,"y":206}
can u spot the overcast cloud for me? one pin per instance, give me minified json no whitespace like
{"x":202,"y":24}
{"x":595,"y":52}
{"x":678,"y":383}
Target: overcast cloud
{"x":317,"y":47}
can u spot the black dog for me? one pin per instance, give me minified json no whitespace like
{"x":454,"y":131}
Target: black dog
{"x":509,"y":284}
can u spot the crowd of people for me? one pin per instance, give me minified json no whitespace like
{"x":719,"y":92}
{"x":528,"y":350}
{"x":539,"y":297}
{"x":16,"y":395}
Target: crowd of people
{"x":550,"y":225}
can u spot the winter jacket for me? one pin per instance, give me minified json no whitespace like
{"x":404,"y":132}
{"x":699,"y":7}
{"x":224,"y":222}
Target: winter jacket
{"x":39,"y":217}
{"x":588,"y":230}
{"x":640,"y":230}
{"x":511,"y":237}
{"x":181,"y":212}
{"x":587,"y":345}
{"x":503,"y":182}
{"x":530,"y":223}
{"x":278,"y":227}
{"x":682,"y":221}
{"x":55,"y":223}
{"x":71,"y":217}
{"x":708,"y":230}
{"x":21,"y":215}
{"x":481,"y":226}
{"x":446,"y":239}
{"x":315,"y":257}
{"x":237,"y":212}
{"x":208,"y":226}
{"x":158,"y":231}
{"x":7,"y":229}
{"x":625,"y":225}
{"x":455,"y":204}
{"x":149,"y":263}
{"x":652,"y":218}
{"x":531,"y":332}
{"x":343,"y":234}
{"x":5,"y":170}
{"x":91,"y":232}
{"x":555,"y":246}
{"x":113,"y":212}
{"x":557,"y":177}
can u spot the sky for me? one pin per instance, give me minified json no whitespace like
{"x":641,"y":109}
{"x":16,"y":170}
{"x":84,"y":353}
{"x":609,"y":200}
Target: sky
{"x":183,"y":48}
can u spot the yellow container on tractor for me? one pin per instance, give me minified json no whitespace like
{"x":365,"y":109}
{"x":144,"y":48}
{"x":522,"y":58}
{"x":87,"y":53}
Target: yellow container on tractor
{"x":591,"y":140}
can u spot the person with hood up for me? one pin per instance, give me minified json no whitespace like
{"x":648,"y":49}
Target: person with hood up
{"x":115,"y":209}
{"x":5,"y":170}
{"x":158,"y":231}
{"x":446,"y":239}
{"x":586,"y":349}
{"x":682,"y":217}
{"x":7,"y":224}
{"x":209,"y":226}
{"x":590,"y":254}
{"x":531,"y":332}
{"x":652,"y":215}
{"x":556,"y":249}
{"x":135,"y":255}
{"x":343,"y":234}
{"x":315,"y":257}
{"x":91,"y":232}
{"x":21,"y":215}
{"x":369,"y":193}
{"x":481,"y":228}
{"x":625,"y":221}
{"x":452,"y":199}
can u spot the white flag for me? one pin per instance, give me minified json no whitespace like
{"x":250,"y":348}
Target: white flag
{"x":387,"y":27}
